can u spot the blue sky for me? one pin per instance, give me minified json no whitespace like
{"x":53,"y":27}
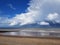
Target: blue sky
{"x":26,"y":12}
{"x":12,"y":7}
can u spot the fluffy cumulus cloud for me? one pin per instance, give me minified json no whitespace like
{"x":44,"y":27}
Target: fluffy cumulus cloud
{"x":43,"y":23}
{"x":54,"y":17}
{"x":37,"y":11}
{"x":23,"y":19}
{"x":29,"y":17}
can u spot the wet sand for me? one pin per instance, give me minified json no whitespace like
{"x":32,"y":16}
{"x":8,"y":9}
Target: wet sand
{"x":6,"y":40}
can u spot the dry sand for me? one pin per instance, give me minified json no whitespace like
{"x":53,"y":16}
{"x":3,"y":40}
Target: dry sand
{"x":28,"y":41}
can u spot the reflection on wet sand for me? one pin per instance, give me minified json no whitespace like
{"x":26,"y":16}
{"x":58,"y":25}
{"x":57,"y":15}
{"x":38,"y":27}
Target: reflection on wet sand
{"x":34,"y":33}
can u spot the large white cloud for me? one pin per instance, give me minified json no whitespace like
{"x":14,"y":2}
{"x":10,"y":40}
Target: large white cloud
{"x":32,"y":16}
{"x":38,"y":10}
{"x":23,"y":19}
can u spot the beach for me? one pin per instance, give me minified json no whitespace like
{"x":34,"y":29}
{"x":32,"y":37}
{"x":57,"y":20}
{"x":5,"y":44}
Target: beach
{"x":6,"y":40}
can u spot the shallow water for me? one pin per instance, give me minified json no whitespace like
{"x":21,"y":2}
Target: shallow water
{"x":34,"y":33}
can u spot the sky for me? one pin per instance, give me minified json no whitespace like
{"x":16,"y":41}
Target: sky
{"x":29,"y":12}
{"x":12,"y":7}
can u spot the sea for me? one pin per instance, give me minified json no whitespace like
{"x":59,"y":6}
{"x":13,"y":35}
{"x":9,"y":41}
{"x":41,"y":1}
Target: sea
{"x":32,"y":32}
